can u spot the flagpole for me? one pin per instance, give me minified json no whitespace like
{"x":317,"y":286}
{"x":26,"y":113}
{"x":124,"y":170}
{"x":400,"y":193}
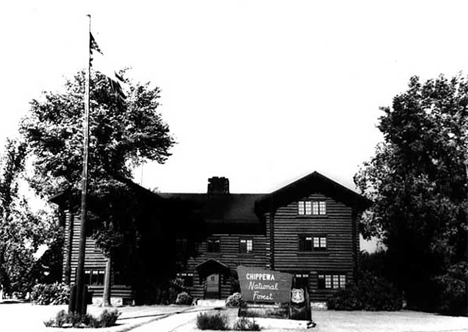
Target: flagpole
{"x":80,"y":304}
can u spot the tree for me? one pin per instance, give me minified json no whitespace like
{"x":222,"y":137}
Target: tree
{"x":417,"y":180}
{"x":22,"y":231}
{"x":122,"y":136}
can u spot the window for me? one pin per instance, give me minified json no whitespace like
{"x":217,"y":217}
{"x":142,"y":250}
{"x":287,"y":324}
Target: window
{"x":305,"y":243}
{"x":305,"y":208}
{"x":320,"y":243}
{"x":312,"y":242}
{"x":330,"y":281}
{"x":312,"y":208}
{"x":301,"y":280}
{"x":187,"y":278}
{"x":94,"y":277}
{"x":245,"y":246}
{"x":214,"y":245}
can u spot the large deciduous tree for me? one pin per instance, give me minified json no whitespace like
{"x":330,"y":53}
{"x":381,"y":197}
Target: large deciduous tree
{"x":22,"y":231}
{"x":122,"y":136}
{"x":418,"y":182}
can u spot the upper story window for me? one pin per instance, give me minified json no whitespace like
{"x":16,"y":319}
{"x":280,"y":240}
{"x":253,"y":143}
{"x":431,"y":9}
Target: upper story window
{"x":312,"y":242}
{"x":245,"y":245}
{"x":214,"y":245}
{"x":312,"y":208}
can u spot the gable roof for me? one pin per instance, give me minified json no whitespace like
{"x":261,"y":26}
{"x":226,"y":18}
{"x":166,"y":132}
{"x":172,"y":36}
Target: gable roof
{"x":229,"y":208}
{"x":312,"y":183}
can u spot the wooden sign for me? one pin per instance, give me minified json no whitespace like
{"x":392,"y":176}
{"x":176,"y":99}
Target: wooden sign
{"x":264,"y":286}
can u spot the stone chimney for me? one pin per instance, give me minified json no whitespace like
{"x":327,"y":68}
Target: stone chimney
{"x":218,"y":186}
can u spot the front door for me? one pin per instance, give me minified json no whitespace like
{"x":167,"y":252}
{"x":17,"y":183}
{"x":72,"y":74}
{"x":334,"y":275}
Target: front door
{"x":212,"y":287}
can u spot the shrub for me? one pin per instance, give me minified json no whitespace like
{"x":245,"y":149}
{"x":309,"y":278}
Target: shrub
{"x":371,"y":293}
{"x":450,"y":289}
{"x":64,"y":319}
{"x":184,"y":298}
{"x":245,"y":324}
{"x":106,"y":319}
{"x":56,"y":293}
{"x":177,"y":284}
{"x":235,"y":300}
{"x":212,"y":322}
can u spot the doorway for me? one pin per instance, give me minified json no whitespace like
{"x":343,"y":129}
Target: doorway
{"x":212,"y":290}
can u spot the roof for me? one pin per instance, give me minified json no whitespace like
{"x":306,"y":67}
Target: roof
{"x":228,"y":208}
{"x":312,"y":183}
{"x":246,"y":210}
{"x":72,"y":198}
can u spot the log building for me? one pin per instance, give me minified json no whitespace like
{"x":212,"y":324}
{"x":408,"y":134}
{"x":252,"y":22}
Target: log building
{"x":308,"y":228}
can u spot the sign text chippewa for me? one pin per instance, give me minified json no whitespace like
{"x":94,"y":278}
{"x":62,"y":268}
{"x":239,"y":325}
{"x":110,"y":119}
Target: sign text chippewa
{"x":260,"y":285}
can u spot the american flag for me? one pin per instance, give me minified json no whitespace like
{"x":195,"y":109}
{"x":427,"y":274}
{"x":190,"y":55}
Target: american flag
{"x":102,"y":65}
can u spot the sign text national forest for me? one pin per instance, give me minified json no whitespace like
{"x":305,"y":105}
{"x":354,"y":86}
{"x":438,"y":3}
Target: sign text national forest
{"x":260,"y":285}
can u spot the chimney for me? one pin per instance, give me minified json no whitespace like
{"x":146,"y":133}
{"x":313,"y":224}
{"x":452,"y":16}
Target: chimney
{"x":218,"y":186}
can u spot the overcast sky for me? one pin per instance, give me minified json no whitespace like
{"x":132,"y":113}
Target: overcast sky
{"x":261,"y":92}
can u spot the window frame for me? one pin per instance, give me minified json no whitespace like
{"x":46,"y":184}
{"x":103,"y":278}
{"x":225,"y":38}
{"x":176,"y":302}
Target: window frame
{"x":331,"y":280}
{"x":94,"y":277}
{"x":187,"y":277}
{"x":301,"y":276}
{"x":241,"y":245}
{"x":307,"y":243}
{"x":213,"y":245}
{"x":312,"y":208}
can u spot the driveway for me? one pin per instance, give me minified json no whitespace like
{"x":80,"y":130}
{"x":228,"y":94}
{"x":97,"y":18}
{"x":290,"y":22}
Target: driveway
{"x":28,"y":317}
{"x":334,"y":321}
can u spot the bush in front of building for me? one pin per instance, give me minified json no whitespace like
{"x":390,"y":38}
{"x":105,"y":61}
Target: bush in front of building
{"x":56,"y":293}
{"x":235,"y":300}
{"x":371,"y":292}
{"x":64,"y":319}
{"x":217,"y":322}
{"x":450,"y":290}
{"x":245,"y":324}
{"x":184,"y":298}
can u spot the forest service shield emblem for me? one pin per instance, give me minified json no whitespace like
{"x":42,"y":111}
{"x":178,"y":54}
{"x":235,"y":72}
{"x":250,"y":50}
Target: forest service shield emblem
{"x":297,"y":295}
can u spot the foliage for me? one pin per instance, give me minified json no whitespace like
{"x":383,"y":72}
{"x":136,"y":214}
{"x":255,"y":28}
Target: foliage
{"x":371,"y":292}
{"x":207,"y":321}
{"x":235,"y":300}
{"x":64,"y":319}
{"x":184,"y":298}
{"x":107,"y":318}
{"x":178,"y":284}
{"x":417,"y":180}
{"x":245,"y":324}
{"x":56,"y":293}
{"x":50,"y":263}
{"x":122,"y":136}
{"x":451,"y":290}
{"x":22,"y":231}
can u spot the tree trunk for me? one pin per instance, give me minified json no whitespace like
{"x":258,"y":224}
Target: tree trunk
{"x":106,"y":294}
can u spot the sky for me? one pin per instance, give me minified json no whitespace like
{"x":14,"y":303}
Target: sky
{"x":261,"y":92}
